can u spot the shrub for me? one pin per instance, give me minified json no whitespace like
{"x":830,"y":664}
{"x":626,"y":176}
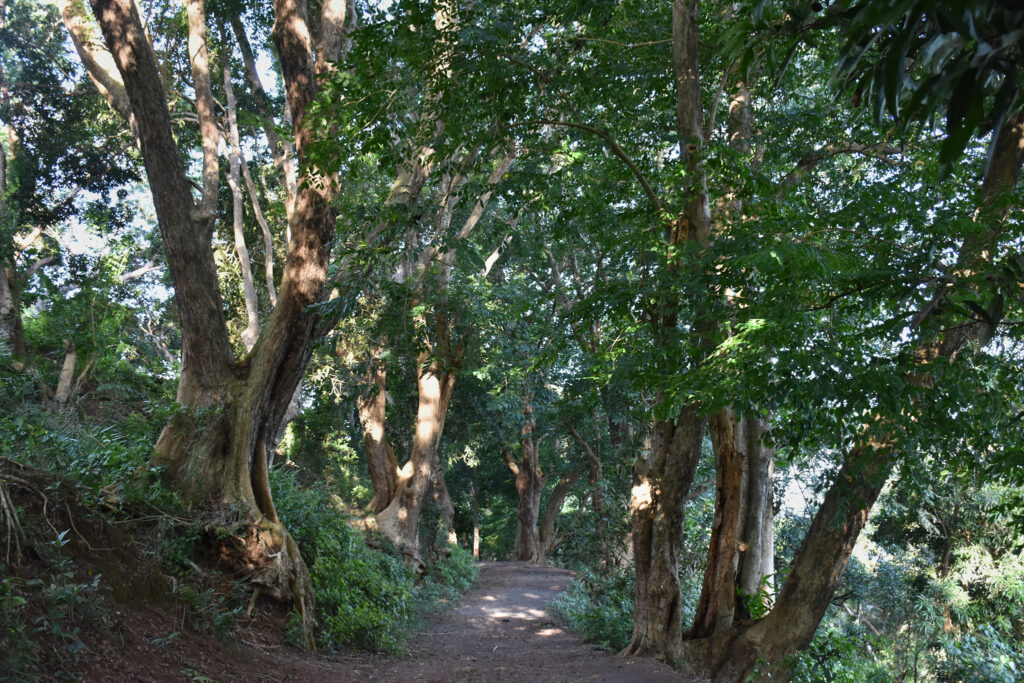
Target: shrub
{"x":599,"y":607}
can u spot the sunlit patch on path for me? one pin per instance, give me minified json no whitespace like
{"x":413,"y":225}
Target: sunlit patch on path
{"x":501,"y":631}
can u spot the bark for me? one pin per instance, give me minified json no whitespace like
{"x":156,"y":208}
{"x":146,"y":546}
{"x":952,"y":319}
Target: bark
{"x":757,"y":545}
{"x":399,"y":521}
{"x":199,"y":58}
{"x":661,"y":480}
{"x":529,"y":486}
{"x":252,"y":313}
{"x":475,"y":496}
{"x":716,"y":606}
{"x":380,"y":458}
{"x":548,"y":534}
{"x":12,"y":334}
{"x":67,"y":374}
{"x":214,"y":450}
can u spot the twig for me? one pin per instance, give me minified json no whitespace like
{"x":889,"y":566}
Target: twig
{"x":71,"y":518}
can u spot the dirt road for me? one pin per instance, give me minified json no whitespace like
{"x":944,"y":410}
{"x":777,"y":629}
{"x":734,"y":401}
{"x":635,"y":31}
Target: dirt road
{"x":501,"y":631}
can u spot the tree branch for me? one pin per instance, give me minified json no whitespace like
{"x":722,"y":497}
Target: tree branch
{"x":613,"y":147}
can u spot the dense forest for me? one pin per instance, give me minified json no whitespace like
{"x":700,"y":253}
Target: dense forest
{"x":718,"y":304}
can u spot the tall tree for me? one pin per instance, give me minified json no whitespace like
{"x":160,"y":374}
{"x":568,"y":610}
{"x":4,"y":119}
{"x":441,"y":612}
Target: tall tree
{"x":215,"y":448}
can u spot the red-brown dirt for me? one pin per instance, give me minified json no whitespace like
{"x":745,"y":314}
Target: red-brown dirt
{"x":501,"y":631}
{"x":112,"y":615}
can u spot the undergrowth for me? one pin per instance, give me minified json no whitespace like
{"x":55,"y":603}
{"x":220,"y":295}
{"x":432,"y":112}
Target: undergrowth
{"x":366,"y":597}
{"x":598,"y":607}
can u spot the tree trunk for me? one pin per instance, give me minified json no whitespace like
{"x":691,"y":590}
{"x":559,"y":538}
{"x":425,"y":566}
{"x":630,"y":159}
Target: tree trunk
{"x":661,"y":480}
{"x":475,"y":496}
{"x":214,"y":450}
{"x":252,"y":313}
{"x":380,"y":458}
{"x":529,"y":486}
{"x":12,"y":334}
{"x":741,"y":552}
{"x":548,"y":536}
{"x":757,"y":543}
{"x":67,"y":374}
{"x":399,"y":521}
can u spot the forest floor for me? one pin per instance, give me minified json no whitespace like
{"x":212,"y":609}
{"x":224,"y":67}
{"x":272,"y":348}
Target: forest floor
{"x":499,"y":631}
{"x":101,"y":609}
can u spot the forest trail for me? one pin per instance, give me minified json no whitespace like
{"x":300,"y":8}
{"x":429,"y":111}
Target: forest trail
{"x":501,"y":631}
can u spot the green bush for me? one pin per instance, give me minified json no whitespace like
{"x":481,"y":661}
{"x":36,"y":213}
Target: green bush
{"x":984,"y":655}
{"x":446,"y":579}
{"x":365,"y":597}
{"x":599,"y":607}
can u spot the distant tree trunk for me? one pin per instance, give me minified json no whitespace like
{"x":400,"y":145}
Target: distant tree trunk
{"x":548,"y":535}
{"x":529,"y":486}
{"x":67,"y":374}
{"x":215,"y":450}
{"x":475,"y":496}
{"x":380,"y":458}
{"x":399,"y":521}
{"x":252,"y":312}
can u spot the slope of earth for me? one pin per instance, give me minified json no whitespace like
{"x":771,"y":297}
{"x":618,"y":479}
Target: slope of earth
{"x":501,"y":631}
{"x":82,"y":599}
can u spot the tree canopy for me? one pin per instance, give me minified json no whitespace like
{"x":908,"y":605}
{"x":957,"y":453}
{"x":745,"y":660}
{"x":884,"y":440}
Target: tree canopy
{"x":718,"y":303}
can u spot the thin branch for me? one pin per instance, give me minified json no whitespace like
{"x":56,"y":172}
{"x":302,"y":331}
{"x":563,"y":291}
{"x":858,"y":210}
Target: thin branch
{"x":880,"y":151}
{"x":615,"y":149}
{"x":149,"y":267}
{"x":627,"y":46}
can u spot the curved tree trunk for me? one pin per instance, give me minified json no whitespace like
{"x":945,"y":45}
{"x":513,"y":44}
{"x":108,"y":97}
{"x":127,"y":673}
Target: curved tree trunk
{"x":380,"y":458}
{"x":399,"y":521}
{"x":214,"y":450}
{"x":548,"y":536}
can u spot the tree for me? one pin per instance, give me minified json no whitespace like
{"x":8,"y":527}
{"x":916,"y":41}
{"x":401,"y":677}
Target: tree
{"x":215,"y":448}
{"x":50,"y":162}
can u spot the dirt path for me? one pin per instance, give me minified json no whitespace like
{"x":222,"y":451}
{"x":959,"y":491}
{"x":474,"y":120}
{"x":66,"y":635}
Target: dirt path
{"x":500,"y":631}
